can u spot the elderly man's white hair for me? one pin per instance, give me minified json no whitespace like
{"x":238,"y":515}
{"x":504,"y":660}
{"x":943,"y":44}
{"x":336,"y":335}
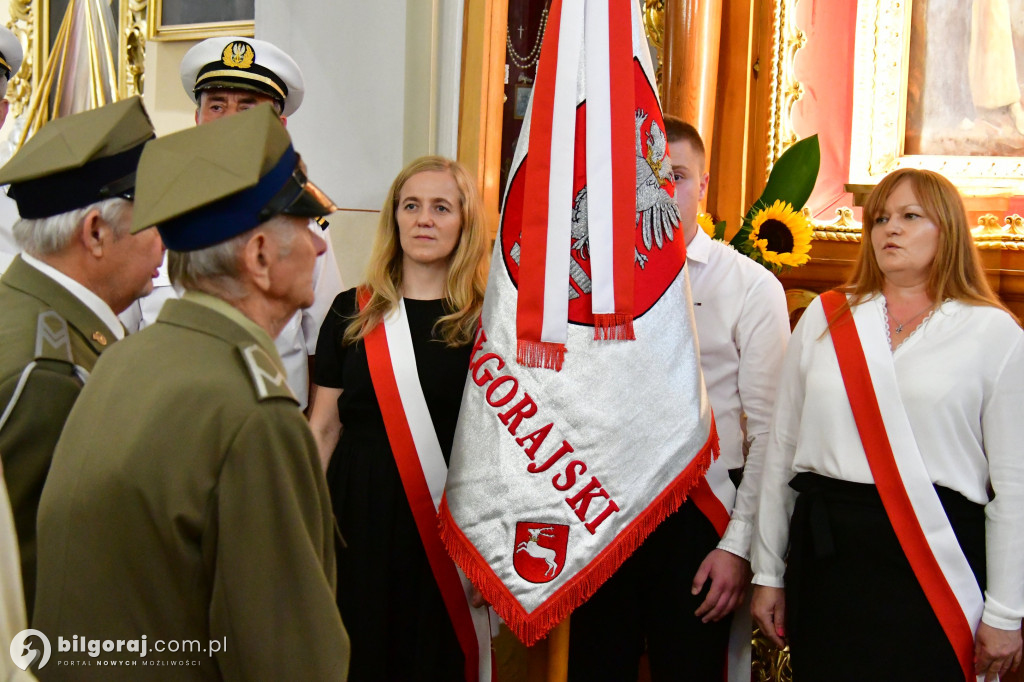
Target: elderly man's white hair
{"x":51,"y":235}
{"x":215,"y":270}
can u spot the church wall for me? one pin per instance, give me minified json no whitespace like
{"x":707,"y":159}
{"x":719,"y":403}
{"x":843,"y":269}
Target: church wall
{"x":382,"y":88}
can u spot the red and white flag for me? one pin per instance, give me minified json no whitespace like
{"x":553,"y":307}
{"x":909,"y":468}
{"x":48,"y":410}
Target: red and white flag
{"x":584,"y":421}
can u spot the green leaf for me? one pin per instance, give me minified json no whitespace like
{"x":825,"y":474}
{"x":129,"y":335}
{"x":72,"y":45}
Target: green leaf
{"x":741,"y":240}
{"x":793,"y":176}
{"x":720,"y":231}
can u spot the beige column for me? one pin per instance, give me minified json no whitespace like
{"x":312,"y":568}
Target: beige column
{"x":483,"y":78}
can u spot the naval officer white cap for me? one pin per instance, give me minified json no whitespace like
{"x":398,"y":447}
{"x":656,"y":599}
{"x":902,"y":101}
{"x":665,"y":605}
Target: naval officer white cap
{"x":243,"y":64}
{"x":11,"y":53}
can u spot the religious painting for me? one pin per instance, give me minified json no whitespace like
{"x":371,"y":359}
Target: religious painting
{"x":965,"y":70}
{"x":937,"y":85}
{"x":195,"y":19}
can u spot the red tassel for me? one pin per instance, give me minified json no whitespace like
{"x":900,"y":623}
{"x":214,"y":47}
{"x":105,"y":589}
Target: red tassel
{"x":530,"y":627}
{"x":540,"y":354}
{"x":613,"y":327}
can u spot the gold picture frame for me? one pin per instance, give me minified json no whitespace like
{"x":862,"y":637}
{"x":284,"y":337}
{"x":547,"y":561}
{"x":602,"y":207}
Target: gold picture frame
{"x":881,"y":68}
{"x":30,"y":22}
{"x":157,"y":30}
{"x":785,"y":88}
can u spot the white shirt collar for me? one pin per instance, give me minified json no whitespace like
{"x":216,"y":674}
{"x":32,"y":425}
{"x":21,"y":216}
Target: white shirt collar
{"x":90,"y":300}
{"x":699,"y":248}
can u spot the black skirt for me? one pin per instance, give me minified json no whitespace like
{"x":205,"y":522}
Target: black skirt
{"x":854,"y":608}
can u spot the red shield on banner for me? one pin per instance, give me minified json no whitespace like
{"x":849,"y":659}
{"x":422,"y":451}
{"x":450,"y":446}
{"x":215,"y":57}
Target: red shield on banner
{"x":659,"y":257}
{"x":540,"y":550}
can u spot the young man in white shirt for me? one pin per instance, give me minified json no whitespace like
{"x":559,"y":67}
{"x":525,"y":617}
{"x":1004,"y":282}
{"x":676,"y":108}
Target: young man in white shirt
{"x":742,"y":327}
{"x":679,"y":589}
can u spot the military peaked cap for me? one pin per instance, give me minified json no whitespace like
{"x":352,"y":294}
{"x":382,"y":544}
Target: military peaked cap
{"x":11,"y":53}
{"x":78,"y":160}
{"x":207,"y":184}
{"x":243,"y":64}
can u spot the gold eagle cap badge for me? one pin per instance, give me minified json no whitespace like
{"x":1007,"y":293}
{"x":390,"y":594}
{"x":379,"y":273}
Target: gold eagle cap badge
{"x":99,"y":338}
{"x":238,"y":55}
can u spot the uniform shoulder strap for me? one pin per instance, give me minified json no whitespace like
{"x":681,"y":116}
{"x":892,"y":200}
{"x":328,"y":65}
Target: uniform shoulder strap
{"x":267,"y":378}
{"x":52,"y":339}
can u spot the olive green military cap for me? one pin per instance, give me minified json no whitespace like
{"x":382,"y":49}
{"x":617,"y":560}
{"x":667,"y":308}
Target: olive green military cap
{"x":204,"y":185}
{"x":78,"y":160}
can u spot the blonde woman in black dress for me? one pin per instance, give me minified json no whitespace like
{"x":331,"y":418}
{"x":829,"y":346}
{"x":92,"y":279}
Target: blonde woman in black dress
{"x":429,"y":257}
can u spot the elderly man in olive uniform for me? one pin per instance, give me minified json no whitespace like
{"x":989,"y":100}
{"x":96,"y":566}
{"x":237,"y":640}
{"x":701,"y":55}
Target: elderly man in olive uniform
{"x":59,"y":299}
{"x":189,"y":503}
{"x":225,"y":76}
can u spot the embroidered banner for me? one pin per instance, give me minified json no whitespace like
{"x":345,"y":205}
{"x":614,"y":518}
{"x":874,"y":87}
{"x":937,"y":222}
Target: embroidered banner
{"x":557,"y":477}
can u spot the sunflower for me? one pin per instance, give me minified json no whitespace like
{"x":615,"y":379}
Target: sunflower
{"x":707,"y":223}
{"x":781,"y":235}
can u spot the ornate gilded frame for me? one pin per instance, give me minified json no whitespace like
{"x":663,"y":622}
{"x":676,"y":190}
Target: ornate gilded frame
{"x":785,"y":88}
{"x":30,"y":21}
{"x":881,"y":65}
{"x":159,"y":31}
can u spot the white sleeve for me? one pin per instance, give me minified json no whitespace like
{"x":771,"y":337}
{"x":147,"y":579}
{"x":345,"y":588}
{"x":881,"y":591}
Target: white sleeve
{"x":775,"y":506}
{"x":762,"y":335}
{"x":1003,"y":436}
{"x":326,"y":286}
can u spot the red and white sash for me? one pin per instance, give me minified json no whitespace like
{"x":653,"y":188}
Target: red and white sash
{"x":715,"y":496}
{"x":421,"y":465}
{"x":901,"y":476}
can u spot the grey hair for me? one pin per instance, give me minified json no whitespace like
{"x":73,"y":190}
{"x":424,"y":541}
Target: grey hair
{"x":216,"y":269}
{"x":49,"y":236}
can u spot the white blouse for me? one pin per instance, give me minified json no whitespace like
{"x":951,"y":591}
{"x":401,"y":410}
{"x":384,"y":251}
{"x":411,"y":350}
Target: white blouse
{"x":961,"y":379}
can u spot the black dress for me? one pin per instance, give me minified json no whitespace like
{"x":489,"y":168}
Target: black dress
{"x":391,"y":606}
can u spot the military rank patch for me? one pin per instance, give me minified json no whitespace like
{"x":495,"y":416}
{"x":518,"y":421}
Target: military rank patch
{"x":52,"y":339}
{"x":267,"y":378}
{"x":238,"y":55}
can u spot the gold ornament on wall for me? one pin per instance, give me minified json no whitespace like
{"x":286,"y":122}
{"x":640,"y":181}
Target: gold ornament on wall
{"x":132,"y":46}
{"x":785,"y":88}
{"x":653,"y":15}
{"x":21,"y":24}
{"x":991,"y":233}
{"x":845,"y":228}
